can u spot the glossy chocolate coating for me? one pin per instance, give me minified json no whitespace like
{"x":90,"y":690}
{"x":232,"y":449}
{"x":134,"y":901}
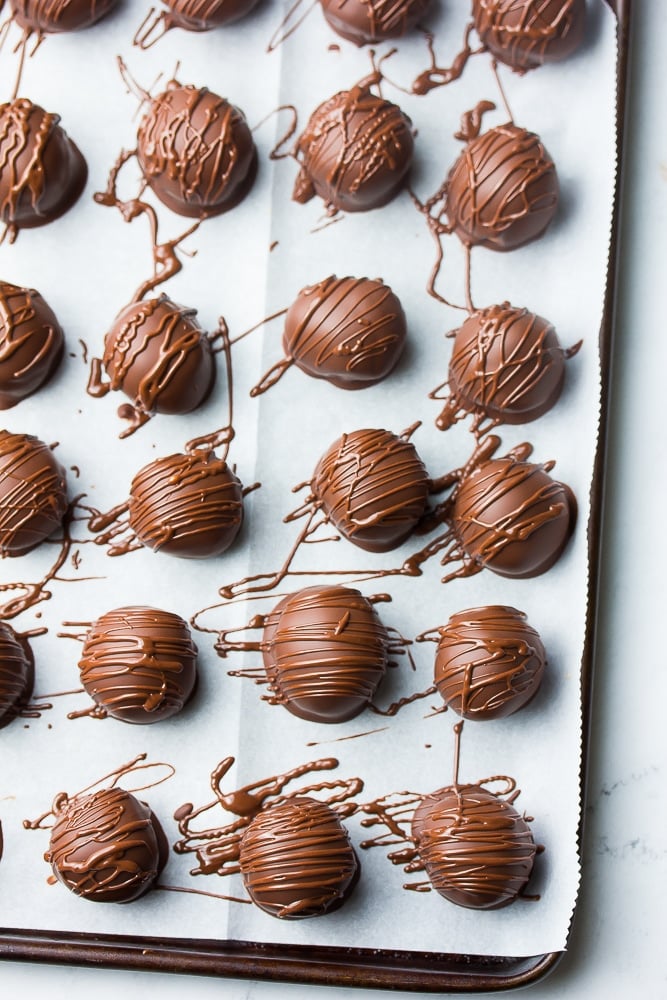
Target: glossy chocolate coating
{"x":476,"y":849}
{"x":489,"y":662}
{"x":513,"y":518}
{"x":366,"y":22}
{"x":527,"y":33}
{"x":349,"y":331}
{"x":506,"y":366}
{"x":42,"y":173}
{"x":33,"y":493}
{"x":188,"y":505}
{"x":107,"y":847}
{"x":374,"y":488}
{"x":157,"y":354}
{"x":16,"y":673}
{"x":297,"y":860}
{"x":139,"y":664}
{"x":202,"y":15}
{"x":325,"y":653}
{"x":196,"y":151}
{"x":31,"y":343}
{"x":51,"y":16}
{"x":503,"y":190}
{"x":355,"y":152}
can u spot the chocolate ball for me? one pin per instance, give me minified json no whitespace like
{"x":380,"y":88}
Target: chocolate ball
{"x":16,"y":673}
{"x":476,"y":849}
{"x":502,"y":191}
{"x":296,"y":859}
{"x":373,"y":487}
{"x":51,"y":16}
{"x":489,"y":662}
{"x":107,"y":846}
{"x":527,"y":33}
{"x":355,"y":152}
{"x":139,"y":664}
{"x":157,"y":354}
{"x":33,"y":493}
{"x":42,"y":173}
{"x":349,"y":331}
{"x":188,"y":505}
{"x":196,"y":151}
{"x":325,"y":652}
{"x":513,"y":518}
{"x":507,"y":366}
{"x":31,"y":343}
{"x":366,"y":22}
{"x":202,"y":15}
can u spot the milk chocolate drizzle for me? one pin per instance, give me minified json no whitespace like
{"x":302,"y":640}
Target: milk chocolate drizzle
{"x":192,"y":15}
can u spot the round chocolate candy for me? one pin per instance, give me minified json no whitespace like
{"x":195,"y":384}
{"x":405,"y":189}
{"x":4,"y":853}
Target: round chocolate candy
{"x":196,"y":151}
{"x":349,"y":331}
{"x":366,"y":22}
{"x":502,"y":191}
{"x":524,"y":34}
{"x":373,"y":487}
{"x":202,"y":15}
{"x":107,"y":846}
{"x":476,"y":849}
{"x":42,"y":173}
{"x":33,"y":493}
{"x":489,"y":663}
{"x":139,"y":664}
{"x":51,"y":16}
{"x":355,"y":152}
{"x":296,"y":859}
{"x":16,"y":673}
{"x":31,"y":343}
{"x":510,"y":516}
{"x":325,"y":652}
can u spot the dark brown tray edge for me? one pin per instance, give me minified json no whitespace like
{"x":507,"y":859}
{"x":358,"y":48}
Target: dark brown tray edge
{"x":371,"y":968}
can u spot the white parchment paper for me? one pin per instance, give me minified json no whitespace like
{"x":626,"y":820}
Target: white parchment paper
{"x":87,"y":266}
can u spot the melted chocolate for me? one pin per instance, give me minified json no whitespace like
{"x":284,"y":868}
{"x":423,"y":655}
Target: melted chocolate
{"x":193,"y":15}
{"x":507,"y":366}
{"x":157,"y":354}
{"x":366,"y":22}
{"x":42,"y":173}
{"x":355,"y":152}
{"x":296,"y":859}
{"x":16,"y":674}
{"x":527,"y":33}
{"x":33,"y":493}
{"x":51,"y":16}
{"x":489,"y":662}
{"x":138,"y":664}
{"x":31,"y":343}
{"x":196,"y":151}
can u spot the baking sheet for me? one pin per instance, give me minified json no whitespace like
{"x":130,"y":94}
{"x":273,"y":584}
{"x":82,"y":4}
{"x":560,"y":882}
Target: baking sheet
{"x":87,"y":266}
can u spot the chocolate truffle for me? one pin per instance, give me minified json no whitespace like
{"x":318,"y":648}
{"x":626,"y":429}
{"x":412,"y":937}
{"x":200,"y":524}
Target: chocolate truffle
{"x":31,"y":343}
{"x":476,"y":849}
{"x":373,"y":487}
{"x":107,"y":846}
{"x":33,"y":493}
{"x":366,"y":22}
{"x":502,"y":191}
{"x":325,"y":653}
{"x":42,"y":173}
{"x":139,"y":664}
{"x":527,"y":33}
{"x":51,"y":16}
{"x":196,"y":151}
{"x":296,"y":859}
{"x":507,"y":366}
{"x":512,"y":517}
{"x":202,"y":15}
{"x":489,"y":662}
{"x":349,"y":331}
{"x":16,"y":673}
{"x":157,"y":354}
{"x":188,"y":505}
{"x":355,"y":152}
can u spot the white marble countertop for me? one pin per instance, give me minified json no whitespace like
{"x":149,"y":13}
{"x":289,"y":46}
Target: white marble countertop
{"x":617,"y":942}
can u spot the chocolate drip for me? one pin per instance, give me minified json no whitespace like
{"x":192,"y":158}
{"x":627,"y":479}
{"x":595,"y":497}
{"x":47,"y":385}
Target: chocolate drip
{"x":193,"y":15}
{"x":31,"y":343}
{"x":33,"y":493}
{"x":52,"y":16}
{"x":366,"y":22}
{"x":438,"y":76}
{"x":525,"y":34}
